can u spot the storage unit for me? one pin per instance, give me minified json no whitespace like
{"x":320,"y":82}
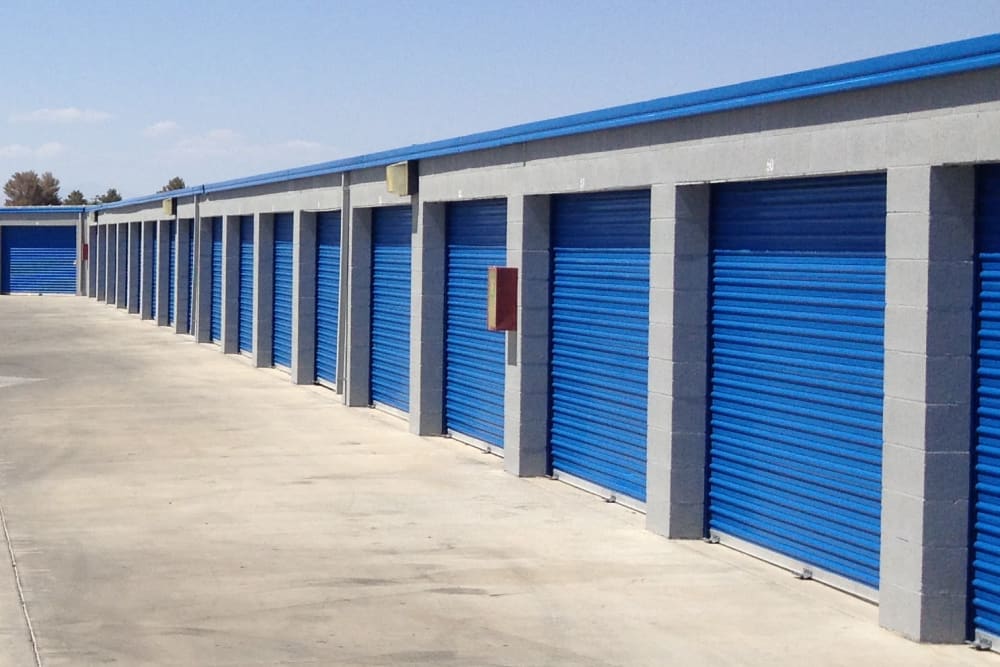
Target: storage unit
{"x":37,"y":260}
{"x":190,"y":278}
{"x":216,"y":312}
{"x":171,"y":272}
{"x":282,"y":304}
{"x":246,"y":284}
{"x":474,"y":356}
{"x":796,"y":379}
{"x":599,"y":335}
{"x":327,"y":295}
{"x":986,"y":524}
{"x":154,"y":265}
{"x":390,"y":307}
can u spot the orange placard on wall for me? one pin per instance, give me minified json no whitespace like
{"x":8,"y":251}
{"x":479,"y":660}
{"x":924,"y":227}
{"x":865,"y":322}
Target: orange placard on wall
{"x":501,"y":299}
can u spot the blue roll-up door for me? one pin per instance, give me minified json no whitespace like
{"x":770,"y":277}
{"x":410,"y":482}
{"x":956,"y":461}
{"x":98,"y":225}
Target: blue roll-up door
{"x":327,"y":294}
{"x":154,"y":266}
{"x":38,"y":260}
{"x":798,"y":300}
{"x":986,"y":525}
{"x":171,"y":272}
{"x":190,"y":278}
{"x":390,"y":307}
{"x":282,"y":313}
{"x":246,"y":283}
{"x":474,"y":356}
{"x":599,"y":339}
{"x":216,"y":315}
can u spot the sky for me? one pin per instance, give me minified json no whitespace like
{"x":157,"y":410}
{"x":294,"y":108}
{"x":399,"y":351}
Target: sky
{"x":129,"y":94}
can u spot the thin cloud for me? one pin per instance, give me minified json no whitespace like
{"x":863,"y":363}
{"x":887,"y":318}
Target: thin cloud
{"x":63,"y":115}
{"x":48,"y":149}
{"x":161,"y":128}
{"x":223,"y":142}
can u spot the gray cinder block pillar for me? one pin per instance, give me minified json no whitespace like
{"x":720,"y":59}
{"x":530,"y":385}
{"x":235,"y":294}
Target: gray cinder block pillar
{"x":122,"y":270}
{"x":181,"y":277}
{"x":263,"y":293}
{"x":678,"y":360}
{"x":162,"y":251}
{"x":358,"y":308}
{"x":304,"y":299}
{"x":100,"y":253}
{"x":146,"y":249}
{"x":93,"y":262}
{"x":526,"y":382}
{"x":134,"y":266}
{"x":928,"y":402}
{"x":110,"y":262}
{"x":427,"y":320}
{"x":231,"y":284}
{"x":203,"y":280}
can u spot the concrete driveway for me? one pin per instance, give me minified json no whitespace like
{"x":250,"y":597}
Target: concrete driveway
{"x":167,"y":505}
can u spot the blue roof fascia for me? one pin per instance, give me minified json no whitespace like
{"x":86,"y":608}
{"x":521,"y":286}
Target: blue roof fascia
{"x":951,"y":58}
{"x":51,"y":210}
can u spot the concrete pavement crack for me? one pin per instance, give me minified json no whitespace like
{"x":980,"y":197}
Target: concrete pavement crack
{"x":20,"y":589}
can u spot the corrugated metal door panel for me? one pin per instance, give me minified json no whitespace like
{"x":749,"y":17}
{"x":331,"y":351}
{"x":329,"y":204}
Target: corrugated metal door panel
{"x":282,"y":313}
{"x":474,"y":356}
{"x":798,"y":300}
{"x":390,"y":321}
{"x":216,"y":315}
{"x":599,"y":339}
{"x":190,"y":278}
{"x":986,"y":526}
{"x":246,"y":283}
{"x":153,"y":267}
{"x":38,"y":260}
{"x":327,"y":294}
{"x":171,"y":272}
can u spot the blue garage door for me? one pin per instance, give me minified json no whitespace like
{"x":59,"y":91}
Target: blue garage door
{"x":154,"y":266}
{"x":282,"y":313}
{"x":390,"y":333}
{"x":327,"y":294}
{"x":986,"y":544}
{"x":171,"y":272}
{"x":599,"y":339}
{"x":38,"y":260}
{"x":798,"y":296}
{"x":474,"y":356}
{"x":190,"y":278}
{"x":246,"y":283}
{"x":216,"y":315}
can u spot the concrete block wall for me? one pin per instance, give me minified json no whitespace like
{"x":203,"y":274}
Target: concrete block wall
{"x":263,"y":290}
{"x":162,"y":251}
{"x":146,"y":250}
{"x":304,"y":302}
{"x":122,"y":265}
{"x":230,"y":284}
{"x":181,"y":277}
{"x":427,"y":295}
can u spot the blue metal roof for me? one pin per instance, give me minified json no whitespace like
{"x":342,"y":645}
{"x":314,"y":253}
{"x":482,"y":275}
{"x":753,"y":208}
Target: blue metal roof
{"x":951,"y":58}
{"x":50,"y":210}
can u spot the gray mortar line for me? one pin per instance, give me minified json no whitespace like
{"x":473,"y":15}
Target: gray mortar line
{"x":20,"y":589}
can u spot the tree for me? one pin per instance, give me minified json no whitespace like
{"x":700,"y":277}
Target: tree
{"x":175,"y":183}
{"x":27,"y":188}
{"x":108,"y":197}
{"x":75,"y":198}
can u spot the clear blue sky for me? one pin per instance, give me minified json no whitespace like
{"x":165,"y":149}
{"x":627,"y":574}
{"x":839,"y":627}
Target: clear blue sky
{"x":128,"y":94}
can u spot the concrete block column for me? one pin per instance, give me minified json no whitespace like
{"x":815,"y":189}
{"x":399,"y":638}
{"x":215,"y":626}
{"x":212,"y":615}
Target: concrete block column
{"x":100,"y":253}
{"x":110,"y":262}
{"x":678,"y":360}
{"x":181,"y":305}
{"x":357,"y":390}
{"x":526,"y":381}
{"x":93,"y":262}
{"x":122,"y":266}
{"x":231,"y":284}
{"x":304,"y":298}
{"x":146,"y":250}
{"x":928,"y":402}
{"x":134,"y":266}
{"x":427,"y":320}
{"x":162,"y":251}
{"x":203,"y":280}
{"x":263,"y":290}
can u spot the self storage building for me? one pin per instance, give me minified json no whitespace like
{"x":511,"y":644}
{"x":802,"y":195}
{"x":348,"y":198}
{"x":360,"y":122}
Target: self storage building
{"x":764,"y":314}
